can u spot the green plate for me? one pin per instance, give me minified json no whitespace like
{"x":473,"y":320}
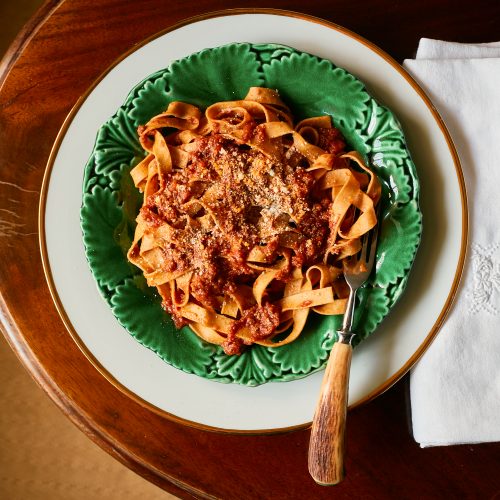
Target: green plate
{"x":310,"y":86}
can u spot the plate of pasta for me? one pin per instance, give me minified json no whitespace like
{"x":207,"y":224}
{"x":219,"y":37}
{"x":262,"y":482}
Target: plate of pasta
{"x":219,"y":200}
{"x":247,"y":213}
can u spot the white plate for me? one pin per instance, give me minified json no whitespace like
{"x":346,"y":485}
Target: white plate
{"x":382,"y":358}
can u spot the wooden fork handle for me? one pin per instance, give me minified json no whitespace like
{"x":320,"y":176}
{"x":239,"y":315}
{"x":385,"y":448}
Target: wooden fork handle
{"x":326,"y":446}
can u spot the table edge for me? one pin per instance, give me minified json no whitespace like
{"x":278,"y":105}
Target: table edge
{"x":22,"y":39}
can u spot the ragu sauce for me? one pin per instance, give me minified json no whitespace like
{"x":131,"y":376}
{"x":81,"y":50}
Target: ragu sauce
{"x":258,"y":200}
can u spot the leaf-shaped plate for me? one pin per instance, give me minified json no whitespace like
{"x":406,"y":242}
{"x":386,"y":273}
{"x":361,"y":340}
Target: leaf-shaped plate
{"x":134,"y":303}
{"x":311,"y":87}
{"x":101,"y":215}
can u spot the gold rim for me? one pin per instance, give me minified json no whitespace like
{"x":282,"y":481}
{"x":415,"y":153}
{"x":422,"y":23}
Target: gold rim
{"x":62,"y":132}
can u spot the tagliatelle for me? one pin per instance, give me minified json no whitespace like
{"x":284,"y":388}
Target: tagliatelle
{"x":247,"y":219}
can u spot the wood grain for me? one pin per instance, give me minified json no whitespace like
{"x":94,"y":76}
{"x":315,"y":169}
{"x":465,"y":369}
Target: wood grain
{"x":327,"y":442}
{"x":67,"y":46}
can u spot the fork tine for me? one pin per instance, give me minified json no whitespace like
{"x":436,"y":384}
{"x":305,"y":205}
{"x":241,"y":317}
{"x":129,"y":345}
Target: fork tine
{"x":364,"y":247}
{"x":373,"y":247}
{"x":374,"y":234}
{"x":359,"y":266}
{"x":370,"y":240}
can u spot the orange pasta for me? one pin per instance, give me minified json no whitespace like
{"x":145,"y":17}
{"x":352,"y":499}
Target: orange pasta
{"x":247,"y":218}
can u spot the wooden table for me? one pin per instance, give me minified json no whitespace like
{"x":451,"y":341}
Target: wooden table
{"x":54,"y":60}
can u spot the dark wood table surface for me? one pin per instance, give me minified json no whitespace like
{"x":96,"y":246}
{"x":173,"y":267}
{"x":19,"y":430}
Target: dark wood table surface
{"x":57,"y":56}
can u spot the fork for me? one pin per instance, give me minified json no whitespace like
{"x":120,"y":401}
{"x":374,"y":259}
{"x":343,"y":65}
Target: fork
{"x":327,"y":442}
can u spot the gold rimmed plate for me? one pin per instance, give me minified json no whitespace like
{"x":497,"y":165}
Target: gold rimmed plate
{"x":381,"y":359}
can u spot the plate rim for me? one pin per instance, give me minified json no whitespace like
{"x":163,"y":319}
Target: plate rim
{"x":224,"y":13}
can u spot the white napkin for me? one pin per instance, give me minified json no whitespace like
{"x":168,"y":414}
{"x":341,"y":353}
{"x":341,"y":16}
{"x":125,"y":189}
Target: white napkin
{"x":455,"y":387}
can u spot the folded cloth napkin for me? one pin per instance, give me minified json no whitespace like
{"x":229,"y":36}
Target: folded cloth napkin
{"x":455,"y":387}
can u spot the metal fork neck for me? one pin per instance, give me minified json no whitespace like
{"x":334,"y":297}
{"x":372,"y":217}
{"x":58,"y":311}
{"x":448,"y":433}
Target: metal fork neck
{"x":349,"y":311}
{"x":345,"y":336}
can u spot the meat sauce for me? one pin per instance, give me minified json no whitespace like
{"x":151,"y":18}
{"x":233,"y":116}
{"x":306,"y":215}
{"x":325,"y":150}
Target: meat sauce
{"x":253,"y":200}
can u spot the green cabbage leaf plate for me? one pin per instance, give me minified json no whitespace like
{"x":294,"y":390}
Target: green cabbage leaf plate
{"x":310,"y":86}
